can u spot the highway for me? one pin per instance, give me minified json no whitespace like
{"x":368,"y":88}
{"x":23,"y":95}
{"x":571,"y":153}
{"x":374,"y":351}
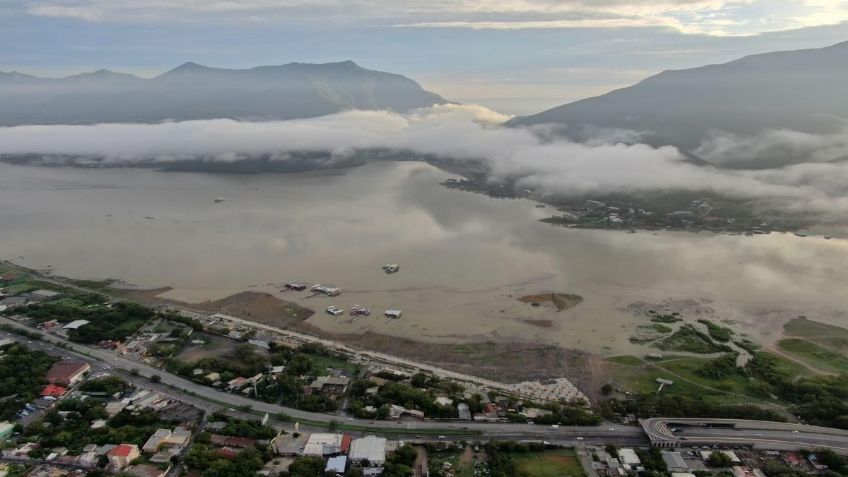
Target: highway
{"x":662,"y":432}
{"x":692,"y":432}
{"x":211,"y":399}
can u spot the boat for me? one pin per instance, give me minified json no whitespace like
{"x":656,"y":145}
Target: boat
{"x":799,"y":234}
{"x":219,"y":200}
{"x":391,"y":268}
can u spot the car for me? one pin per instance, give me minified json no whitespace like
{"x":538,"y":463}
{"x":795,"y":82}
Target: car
{"x":579,"y":438}
{"x":441,"y":437}
{"x":332,"y":310}
{"x":794,"y":432}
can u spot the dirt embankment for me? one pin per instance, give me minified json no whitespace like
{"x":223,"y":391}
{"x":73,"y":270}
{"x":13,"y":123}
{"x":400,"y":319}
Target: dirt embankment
{"x":507,"y":362}
{"x":562,"y":301}
{"x":260,"y":307}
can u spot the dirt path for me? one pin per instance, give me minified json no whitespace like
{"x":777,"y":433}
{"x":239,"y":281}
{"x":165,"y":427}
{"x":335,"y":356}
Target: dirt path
{"x":772,"y":348}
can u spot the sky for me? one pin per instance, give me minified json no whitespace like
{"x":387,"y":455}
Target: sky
{"x":514,"y":56}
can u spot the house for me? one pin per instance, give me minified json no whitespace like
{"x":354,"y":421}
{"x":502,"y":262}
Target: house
{"x":154,"y":441}
{"x":53,"y":391}
{"x":76,"y":324}
{"x":321,"y":444}
{"x":13,"y":302}
{"x":289,"y":445}
{"x":674,"y":462}
{"x":121,"y":456}
{"x":464,"y":411}
{"x":6,"y":429}
{"x":705,"y":456}
{"x":218,"y":440}
{"x":629,"y":459}
{"x":336,"y":464}
{"x":330,"y":385}
{"x":115,"y":407}
{"x":45,"y":294}
{"x":739,"y":471}
{"x":444,"y":401}
{"x":145,"y":470}
{"x":67,"y":372}
{"x":369,"y":448}
{"x":213,"y":376}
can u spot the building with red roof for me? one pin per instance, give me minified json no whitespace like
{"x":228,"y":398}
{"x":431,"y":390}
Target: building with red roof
{"x":53,"y":390}
{"x":66,"y":372}
{"x":121,"y":456}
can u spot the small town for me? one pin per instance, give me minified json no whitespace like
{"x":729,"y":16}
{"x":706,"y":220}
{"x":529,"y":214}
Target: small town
{"x":91,"y":392}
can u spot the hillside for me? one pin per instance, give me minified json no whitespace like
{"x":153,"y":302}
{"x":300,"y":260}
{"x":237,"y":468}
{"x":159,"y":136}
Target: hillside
{"x":802,"y":90}
{"x":192,"y":91}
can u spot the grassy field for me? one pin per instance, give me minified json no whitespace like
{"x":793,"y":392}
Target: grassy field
{"x":320,"y":363}
{"x":215,"y":347}
{"x":556,"y":463}
{"x":635,"y":375}
{"x":815,"y":355}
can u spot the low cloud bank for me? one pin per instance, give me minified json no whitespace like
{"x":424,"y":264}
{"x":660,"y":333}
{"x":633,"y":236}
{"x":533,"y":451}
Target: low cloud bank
{"x":532,"y":158}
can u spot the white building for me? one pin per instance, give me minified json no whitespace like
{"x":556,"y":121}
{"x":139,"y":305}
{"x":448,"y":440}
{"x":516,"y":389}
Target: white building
{"x":370,"y":448}
{"x":321,"y":444}
{"x":629,"y":458}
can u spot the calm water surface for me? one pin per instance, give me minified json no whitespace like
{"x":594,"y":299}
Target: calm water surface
{"x":464,"y":257}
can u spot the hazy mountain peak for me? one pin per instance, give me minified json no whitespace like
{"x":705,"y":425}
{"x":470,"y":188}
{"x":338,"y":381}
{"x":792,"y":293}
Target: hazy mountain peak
{"x":800,"y":89}
{"x":194,"y":91}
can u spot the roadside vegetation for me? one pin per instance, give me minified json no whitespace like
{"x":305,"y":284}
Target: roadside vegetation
{"x":22,"y":375}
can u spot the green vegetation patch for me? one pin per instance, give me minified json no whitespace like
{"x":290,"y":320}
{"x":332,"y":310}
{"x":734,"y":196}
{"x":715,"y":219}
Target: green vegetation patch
{"x":717,"y":332}
{"x":21,"y":377}
{"x":689,"y":339}
{"x":815,"y":355}
{"x":555,"y":463}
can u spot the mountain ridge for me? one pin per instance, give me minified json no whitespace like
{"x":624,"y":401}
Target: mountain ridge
{"x":195,"y":91}
{"x":794,"y":89}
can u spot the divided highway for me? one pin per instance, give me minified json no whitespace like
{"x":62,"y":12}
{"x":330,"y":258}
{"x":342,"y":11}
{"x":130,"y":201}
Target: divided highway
{"x":661,"y":432}
{"x":766,"y":435}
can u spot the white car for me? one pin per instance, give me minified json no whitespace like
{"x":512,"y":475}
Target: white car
{"x":335,"y":311}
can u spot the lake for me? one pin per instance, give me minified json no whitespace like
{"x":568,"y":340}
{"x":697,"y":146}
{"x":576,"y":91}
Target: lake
{"x":465,"y":258}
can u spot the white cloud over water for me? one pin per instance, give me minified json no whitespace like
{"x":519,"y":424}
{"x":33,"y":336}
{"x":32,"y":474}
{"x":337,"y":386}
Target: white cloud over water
{"x":533,"y":158}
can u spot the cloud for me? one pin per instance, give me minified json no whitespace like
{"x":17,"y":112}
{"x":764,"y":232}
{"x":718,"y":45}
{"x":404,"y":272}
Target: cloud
{"x":531,"y":158}
{"x":773,"y":148}
{"x":714,"y":17}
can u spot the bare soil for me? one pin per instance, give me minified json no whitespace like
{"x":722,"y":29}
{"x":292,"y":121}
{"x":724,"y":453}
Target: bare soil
{"x":562,"y":301}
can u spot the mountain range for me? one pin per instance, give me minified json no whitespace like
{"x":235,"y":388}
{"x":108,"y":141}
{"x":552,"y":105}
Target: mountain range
{"x":802,"y":90}
{"x":192,"y":91}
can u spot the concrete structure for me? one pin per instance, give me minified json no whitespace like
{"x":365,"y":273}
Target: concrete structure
{"x":336,"y":464}
{"x":765,"y":435}
{"x":322,"y":444}
{"x":370,"y":448}
{"x":67,"y":372}
{"x":674,"y":462}
{"x":6,"y":429}
{"x":333,"y":385}
{"x":76,"y":324}
{"x":121,"y":456}
{"x":289,"y":445}
{"x":628,"y":458}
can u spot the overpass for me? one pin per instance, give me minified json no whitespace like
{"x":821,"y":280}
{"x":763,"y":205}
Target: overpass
{"x":763,"y":435}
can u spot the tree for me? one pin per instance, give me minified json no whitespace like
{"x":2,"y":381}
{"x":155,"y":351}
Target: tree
{"x":611,"y":449}
{"x":606,"y":389}
{"x":719,"y":459}
{"x":307,"y":466}
{"x":156,"y":378}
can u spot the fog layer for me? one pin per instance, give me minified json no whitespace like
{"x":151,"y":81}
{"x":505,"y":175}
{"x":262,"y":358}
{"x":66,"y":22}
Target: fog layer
{"x":531,"y":157}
